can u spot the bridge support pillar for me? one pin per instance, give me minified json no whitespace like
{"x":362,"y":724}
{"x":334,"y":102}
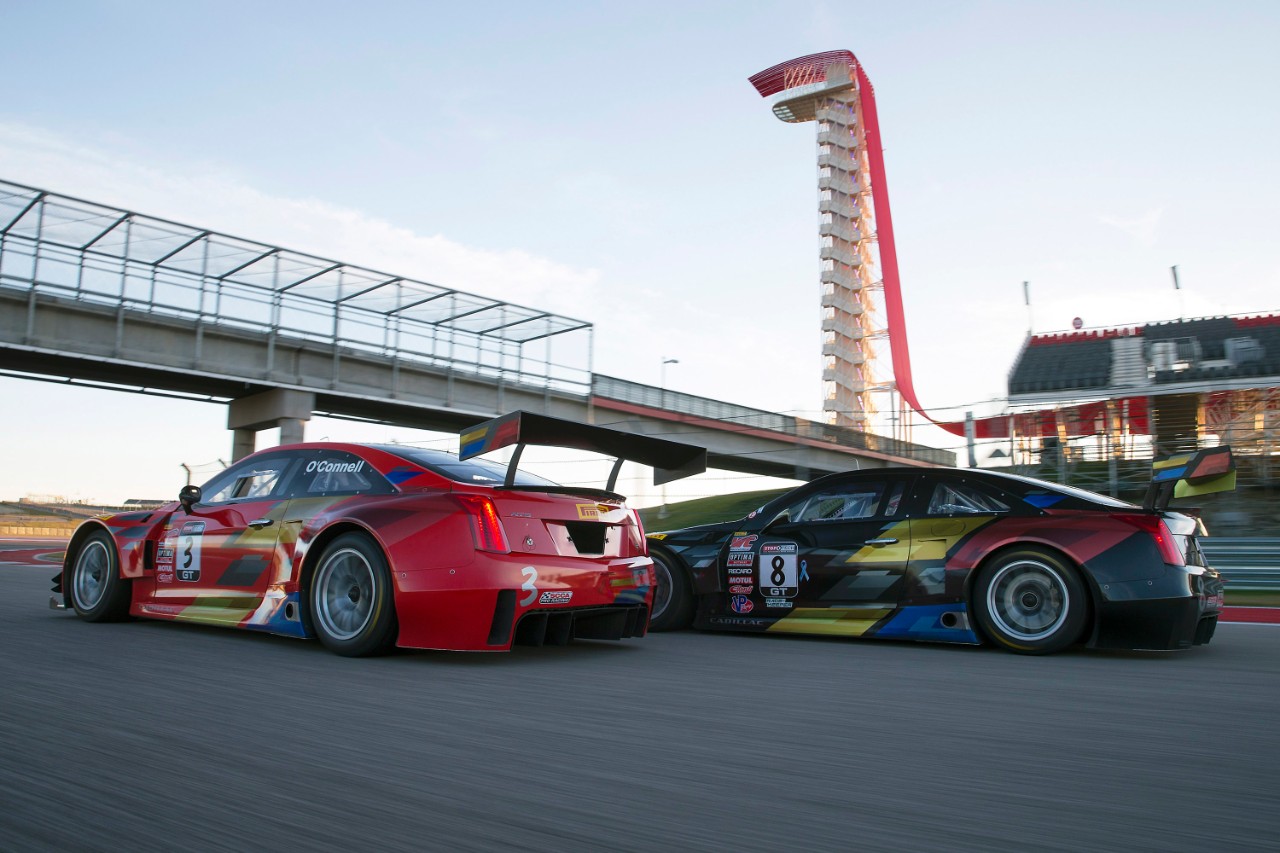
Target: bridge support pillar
{"x":243,"y":442}
{"x":280,"y":407}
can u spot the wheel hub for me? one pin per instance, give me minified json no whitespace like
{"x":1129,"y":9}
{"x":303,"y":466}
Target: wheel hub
{"x":1027,"y":600}
{"x":354,"y":594}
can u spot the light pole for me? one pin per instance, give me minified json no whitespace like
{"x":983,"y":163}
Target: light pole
{"x":662,"y":384}
{"x":662,"y":381}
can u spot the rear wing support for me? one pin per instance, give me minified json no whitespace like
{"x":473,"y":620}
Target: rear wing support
{"x":670,"y":460}
{"x":1188,"y":474}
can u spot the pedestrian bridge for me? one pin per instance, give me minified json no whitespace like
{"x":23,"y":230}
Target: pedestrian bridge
{"x":99,"y":296}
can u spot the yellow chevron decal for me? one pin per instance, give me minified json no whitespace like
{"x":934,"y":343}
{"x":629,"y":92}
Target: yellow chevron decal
{"x":931,"y":545}
{"x":831,"y":621}
{"x":895,"y":553}
{"x":217,"y":611}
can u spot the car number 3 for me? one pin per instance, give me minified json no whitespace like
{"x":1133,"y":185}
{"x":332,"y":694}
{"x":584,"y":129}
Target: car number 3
{"x":530,"y":585}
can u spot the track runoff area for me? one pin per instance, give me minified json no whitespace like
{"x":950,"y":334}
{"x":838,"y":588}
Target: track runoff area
{"x":48,"y":552}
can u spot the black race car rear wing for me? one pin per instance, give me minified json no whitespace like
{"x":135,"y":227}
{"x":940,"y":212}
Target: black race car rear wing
{"x":670,"y":460}
{"x":1187,"y":474}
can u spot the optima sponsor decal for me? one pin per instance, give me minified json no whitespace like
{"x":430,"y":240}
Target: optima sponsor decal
{"x":324,"y":466}
{"x":742,"y":559}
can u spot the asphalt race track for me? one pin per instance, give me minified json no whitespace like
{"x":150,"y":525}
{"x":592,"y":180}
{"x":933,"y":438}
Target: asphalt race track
{"x":156,"y":736}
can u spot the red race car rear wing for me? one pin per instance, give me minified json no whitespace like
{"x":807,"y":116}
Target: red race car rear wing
{"x":671,"y":460}
{"x":1186,"y":474}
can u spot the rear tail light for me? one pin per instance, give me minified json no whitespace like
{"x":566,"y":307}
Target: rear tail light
{"x":1154,"y":526}
{"x":638,"y":545}
{"x":486,"y":526}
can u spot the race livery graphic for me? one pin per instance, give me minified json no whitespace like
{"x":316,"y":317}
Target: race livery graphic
{"x":953,"y":555}
{"x":368,"y":546}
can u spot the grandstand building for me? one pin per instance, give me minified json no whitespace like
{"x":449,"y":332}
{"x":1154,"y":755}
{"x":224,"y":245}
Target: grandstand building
{"x":1157,"y":388}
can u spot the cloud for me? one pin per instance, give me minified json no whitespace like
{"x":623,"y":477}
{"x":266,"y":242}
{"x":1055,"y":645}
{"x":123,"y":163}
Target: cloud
{"x":210,"y":195}
{"x":1142,"y":228}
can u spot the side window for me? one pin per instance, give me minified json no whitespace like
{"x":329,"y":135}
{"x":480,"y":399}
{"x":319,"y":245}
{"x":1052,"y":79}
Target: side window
{"x":957,"y":498}
{"x":260,"y":478}
{"x":849,"y":502}
{"x":333,"y":472}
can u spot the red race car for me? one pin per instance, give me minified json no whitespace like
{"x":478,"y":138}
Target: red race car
{"x":369,"y":546}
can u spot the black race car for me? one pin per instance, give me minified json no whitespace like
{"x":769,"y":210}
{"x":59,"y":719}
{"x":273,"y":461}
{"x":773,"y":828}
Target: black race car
{"x":954,"y":555}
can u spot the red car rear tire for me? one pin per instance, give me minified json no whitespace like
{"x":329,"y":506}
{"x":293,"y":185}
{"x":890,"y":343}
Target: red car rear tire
{"x":350,"y":598}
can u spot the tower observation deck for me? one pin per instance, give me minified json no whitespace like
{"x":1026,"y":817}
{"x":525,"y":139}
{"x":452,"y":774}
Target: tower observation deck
{"x":860,"y":309}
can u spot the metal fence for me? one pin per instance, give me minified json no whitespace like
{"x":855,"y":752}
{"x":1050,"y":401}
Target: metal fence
{"x":747,"y":418}
{"x":1245,"y":562}
{"x":61,"y":247}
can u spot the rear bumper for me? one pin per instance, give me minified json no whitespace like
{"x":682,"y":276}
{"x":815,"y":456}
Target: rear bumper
{"x":560,"y":627}
{"x":1179,"y":611}
{"x":502,"y":599}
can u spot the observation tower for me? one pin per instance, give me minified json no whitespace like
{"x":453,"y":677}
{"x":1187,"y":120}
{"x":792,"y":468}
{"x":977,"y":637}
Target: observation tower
{"x":859,"y":307}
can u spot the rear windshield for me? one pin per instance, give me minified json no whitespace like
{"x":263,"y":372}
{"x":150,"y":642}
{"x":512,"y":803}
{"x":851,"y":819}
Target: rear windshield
{"x":476,"y":471}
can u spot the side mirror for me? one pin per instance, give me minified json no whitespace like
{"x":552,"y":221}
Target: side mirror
{"x":189,"y":495}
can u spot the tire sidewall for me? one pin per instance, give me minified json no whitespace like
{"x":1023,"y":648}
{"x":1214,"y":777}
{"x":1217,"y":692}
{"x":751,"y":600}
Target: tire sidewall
{"x":1072,"y":626}
{"x":113,"y":603}
{"x":379,"y":632}
{"x":669,"y":571}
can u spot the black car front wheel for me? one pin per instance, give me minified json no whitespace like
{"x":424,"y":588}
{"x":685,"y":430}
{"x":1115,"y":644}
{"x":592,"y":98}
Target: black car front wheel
{"x":672,"y":592}
{"x":351,"y":603}
{"x":1031,"y":601}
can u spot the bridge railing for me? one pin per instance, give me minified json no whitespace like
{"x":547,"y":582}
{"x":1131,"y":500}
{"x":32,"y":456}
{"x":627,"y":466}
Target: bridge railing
{"x":47,"y":269}
{"x":748,"y":418}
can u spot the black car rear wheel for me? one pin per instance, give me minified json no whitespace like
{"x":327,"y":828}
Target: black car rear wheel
{"x":98,"y":593}
{"x":352,"y":607}
{"x":1031,"y":601}
{"x":672,"y":592}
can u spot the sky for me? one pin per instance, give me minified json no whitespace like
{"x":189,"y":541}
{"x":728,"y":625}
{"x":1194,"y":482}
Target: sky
{"x":610,"y":161}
